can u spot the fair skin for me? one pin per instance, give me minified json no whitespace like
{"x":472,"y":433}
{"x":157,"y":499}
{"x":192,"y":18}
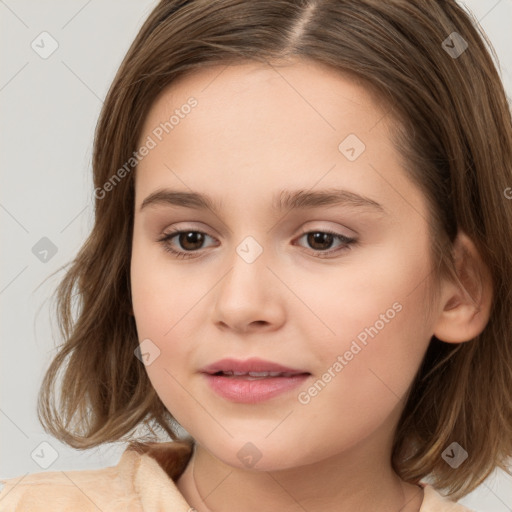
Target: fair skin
{"x":253,"y":133}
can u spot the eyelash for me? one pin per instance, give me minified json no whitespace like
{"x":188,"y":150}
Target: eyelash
{"x":164,"y":240}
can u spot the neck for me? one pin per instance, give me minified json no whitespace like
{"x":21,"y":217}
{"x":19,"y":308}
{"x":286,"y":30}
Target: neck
{"x":330,"y":485}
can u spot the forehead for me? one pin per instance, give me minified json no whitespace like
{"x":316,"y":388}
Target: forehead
{"x":257,"y":128}
{"x":314,"y":90}
{"x":292,"y":106}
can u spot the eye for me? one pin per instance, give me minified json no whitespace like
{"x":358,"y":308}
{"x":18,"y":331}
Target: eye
{"x":322,"y":241}
{"x":190,"y":240}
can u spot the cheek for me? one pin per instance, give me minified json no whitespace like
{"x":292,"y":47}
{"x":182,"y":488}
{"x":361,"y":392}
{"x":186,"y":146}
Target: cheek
{"x":163,"y":307}
{"x":167,"y":305}
{"x":161,"y":296}
{"x":365,"y":372}
{"x":372,"y":292}
{"x":375,"y":334}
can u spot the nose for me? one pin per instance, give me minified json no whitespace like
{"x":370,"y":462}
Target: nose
{"x":249,"y":297}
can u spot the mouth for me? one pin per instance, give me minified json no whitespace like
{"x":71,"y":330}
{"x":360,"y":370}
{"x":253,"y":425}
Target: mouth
{"x":253,"y":367}
{"x":255,"y":375}
{"x":253,"y":380}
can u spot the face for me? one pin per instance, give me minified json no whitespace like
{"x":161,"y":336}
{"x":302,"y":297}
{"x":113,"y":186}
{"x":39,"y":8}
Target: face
{"x":335,"y":290}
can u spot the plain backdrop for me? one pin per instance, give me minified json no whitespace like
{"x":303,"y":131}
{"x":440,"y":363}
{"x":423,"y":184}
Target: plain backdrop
{"x":50,"y":108}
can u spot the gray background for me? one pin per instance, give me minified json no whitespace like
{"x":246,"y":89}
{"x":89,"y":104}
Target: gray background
{"x":49,"y":111}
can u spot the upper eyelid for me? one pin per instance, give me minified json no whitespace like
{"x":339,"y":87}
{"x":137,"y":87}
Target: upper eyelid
{"x":321,"y":229}
{"x":176,"y":231}
{"x":345,"y":244}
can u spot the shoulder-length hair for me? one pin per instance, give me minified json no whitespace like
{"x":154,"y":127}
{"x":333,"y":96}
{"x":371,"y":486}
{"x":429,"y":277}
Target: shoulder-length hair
{"x":453,"y":128}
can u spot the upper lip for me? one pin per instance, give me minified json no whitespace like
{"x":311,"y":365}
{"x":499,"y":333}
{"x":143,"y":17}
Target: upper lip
{"x":249,"y":365}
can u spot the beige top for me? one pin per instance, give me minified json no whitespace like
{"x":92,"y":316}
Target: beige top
{"x":142,"y":481}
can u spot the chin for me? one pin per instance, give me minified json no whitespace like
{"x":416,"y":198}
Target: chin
{"x":256,"y":455}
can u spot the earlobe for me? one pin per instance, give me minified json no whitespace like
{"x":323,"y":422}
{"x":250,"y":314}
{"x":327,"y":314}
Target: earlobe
{"x":466,"y":305}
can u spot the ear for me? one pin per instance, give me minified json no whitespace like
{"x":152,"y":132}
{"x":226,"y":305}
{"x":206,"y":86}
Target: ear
{"x":466,"y":305}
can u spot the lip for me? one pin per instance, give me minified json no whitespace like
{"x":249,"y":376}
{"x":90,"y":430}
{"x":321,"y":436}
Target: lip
{"x":247,"y":389}
{"x":249,"y":365}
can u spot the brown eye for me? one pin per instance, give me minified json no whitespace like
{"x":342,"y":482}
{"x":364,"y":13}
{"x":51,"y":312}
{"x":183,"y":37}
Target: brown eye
{"x":184,"y":243}
{"x":322,"y":241}
{"x":319,"y":240}
{"x":190,"y":240}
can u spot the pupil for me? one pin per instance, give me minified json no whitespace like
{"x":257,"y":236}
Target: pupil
{"x":193,"y":240}
{"x":319,"y":238}
{"x":192,"y":237}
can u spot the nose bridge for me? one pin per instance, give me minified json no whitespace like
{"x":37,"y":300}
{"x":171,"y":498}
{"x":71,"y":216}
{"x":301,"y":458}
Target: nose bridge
{"x":246,"y":294}
{"x":248,"y":266}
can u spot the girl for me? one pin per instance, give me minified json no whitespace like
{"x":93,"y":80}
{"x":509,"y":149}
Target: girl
{"x":299,"y":267}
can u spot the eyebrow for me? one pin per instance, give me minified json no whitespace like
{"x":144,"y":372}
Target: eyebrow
{"x":284,"y":200}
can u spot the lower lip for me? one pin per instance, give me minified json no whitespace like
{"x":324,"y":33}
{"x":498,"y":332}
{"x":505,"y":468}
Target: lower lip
{"x":242,"y":390}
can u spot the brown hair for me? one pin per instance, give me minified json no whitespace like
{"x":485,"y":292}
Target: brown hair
{"x":453,"y":128}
